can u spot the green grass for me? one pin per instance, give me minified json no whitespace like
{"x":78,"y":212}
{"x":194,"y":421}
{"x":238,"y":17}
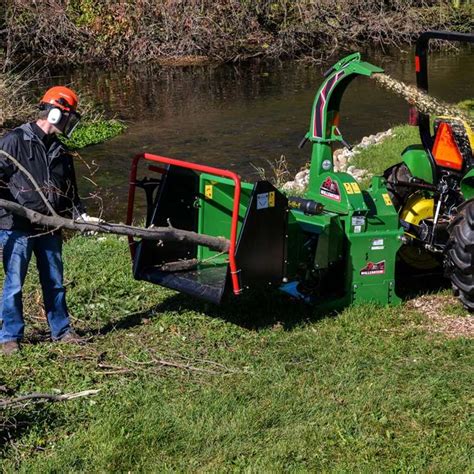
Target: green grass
{"x":367,"y":390}
{"x":378,"y":158}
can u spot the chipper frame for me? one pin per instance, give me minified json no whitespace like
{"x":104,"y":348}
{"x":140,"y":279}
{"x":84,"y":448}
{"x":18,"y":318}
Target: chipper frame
{"x":332,"y":246}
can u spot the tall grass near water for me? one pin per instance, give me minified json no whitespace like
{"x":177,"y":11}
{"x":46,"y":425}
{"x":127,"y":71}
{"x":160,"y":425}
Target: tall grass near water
{"x":15,"y":98}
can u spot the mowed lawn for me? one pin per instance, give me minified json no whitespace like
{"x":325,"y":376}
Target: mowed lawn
{"x":263,"y":383}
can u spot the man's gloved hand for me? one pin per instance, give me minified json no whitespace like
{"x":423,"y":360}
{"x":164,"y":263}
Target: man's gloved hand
{"x":86,"y":219}
{"x":89,"y":219}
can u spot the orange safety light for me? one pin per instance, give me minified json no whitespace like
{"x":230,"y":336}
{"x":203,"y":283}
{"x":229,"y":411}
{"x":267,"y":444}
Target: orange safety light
{"x":445,"y":151}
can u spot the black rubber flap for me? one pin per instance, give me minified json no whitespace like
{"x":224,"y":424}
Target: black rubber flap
{"x":175,"y":202}
{"x":261,"y":249}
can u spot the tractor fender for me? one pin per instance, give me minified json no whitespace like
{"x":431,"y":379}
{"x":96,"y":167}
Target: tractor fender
{"x":467,"y":185}
{"x":417,"y":161}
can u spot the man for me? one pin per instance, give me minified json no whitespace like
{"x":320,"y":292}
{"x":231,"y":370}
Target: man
{"x":36,"y":147}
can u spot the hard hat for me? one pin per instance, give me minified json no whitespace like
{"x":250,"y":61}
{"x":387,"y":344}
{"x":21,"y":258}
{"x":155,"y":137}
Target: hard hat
{"x":61,"y":103}
{"x":62,"y":97}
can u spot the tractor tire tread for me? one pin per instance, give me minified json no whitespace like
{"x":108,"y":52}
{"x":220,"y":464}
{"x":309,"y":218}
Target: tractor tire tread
{"x":468,"y":303}
{"x":459,"y":255}
{"x":466,"y":267}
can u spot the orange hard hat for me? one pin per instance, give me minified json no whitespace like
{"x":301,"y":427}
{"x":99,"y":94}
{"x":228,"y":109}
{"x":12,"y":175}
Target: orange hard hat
{"x":62,"y":97}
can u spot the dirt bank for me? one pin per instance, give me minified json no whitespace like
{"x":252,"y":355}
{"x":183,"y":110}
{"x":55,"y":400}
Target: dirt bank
{"x":135,"y":31}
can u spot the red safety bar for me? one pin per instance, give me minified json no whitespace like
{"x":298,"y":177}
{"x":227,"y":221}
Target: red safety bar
{"x":202,"y":169}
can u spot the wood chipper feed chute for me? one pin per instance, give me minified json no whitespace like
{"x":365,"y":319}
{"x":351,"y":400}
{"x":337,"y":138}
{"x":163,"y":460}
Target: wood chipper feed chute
{"x":213,"y":202}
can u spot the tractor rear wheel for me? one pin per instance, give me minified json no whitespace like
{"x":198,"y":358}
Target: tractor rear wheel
{"x":398,"y":194}
{"x":459,"y":255}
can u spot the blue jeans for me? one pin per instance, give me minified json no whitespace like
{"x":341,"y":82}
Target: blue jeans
{"x":17,"y":250}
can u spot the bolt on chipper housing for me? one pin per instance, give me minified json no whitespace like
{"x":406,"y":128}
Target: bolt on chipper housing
{"x":333,"y":246}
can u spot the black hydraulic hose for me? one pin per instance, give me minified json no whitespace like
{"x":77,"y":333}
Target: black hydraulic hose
{"x":409,"y":184}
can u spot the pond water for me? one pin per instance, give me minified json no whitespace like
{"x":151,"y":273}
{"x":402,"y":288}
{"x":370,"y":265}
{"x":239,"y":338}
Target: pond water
{"x":239,"y":116}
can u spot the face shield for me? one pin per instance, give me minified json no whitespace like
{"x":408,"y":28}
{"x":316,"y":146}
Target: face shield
{"x":69,"y":121}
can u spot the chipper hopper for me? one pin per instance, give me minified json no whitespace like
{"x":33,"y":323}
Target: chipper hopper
{"x":333,"y":246}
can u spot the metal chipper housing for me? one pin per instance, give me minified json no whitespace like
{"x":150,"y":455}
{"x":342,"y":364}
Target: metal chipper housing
{"x":333,"y":246}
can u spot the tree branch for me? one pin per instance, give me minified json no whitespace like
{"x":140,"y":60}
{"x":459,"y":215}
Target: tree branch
{"x":164,"y":234}
{"x":33,"y":181}
{"x":41,"y":397}
{"x":55,"y":221}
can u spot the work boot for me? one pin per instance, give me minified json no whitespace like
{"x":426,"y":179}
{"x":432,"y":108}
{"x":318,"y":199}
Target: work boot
{"x":71,"y":337}
{"x":10,"y":347}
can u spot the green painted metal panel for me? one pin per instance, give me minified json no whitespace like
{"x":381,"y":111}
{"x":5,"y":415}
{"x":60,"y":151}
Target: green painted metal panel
{"x":324,"y":123}
{"x":417,"y":161}
{"x":467,"y":185}
{"x":300,"y":225}
{"x":373,"y":243}
{"x":215,"y":203}
{"x":340,"y":71}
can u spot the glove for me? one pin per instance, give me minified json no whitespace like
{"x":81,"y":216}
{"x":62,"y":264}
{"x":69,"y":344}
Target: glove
{"x":85,"y":218}
{"x":89,"y":219}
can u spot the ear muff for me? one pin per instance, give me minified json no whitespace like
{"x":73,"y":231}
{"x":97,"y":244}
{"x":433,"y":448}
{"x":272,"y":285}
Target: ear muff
{"x":54,"y":116}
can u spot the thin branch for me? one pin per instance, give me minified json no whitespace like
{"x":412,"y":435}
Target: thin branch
{"x":33,"y":181}
{"x":155,"y":233}
{"x":55,"y":221}
{"x":44,"y":397}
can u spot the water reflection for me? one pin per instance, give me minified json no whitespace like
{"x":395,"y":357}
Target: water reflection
{"x":237,"y":116}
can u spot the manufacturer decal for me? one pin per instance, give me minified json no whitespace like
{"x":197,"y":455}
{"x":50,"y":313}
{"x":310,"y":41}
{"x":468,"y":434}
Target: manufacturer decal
{"x":377,"y":244}
{"x":373,"y":268}
{"x":330,"y":189}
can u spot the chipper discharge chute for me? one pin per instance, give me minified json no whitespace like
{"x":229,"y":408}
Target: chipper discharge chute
{"x":333,"y":246}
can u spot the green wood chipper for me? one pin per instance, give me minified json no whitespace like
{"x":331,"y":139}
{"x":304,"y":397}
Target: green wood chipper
{"x":333,"y":246}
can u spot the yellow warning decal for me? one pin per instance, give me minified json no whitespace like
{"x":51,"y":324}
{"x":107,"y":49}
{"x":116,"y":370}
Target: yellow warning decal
{"x":386,"y":198}
{"x":355,"y":188}
{"x":348,"y":188}
{"x":271,"y":199}
{"x":208,"y":191}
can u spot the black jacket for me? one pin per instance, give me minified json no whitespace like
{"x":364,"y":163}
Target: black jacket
{"x":50,"y":164}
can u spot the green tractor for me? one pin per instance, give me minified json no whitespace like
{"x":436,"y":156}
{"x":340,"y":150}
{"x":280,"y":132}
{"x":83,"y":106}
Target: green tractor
{"x":433,"y":190}
{"x":333,"y":246}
